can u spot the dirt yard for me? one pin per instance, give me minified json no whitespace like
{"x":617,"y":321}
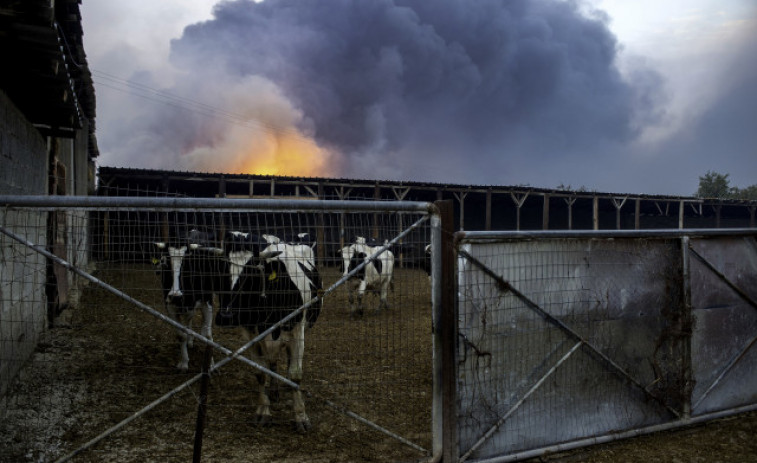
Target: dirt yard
{"x":111,"y":360}
{"x":107,"y":360}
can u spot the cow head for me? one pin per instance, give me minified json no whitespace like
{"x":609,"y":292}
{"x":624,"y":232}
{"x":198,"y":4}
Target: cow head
{"x":169,"y":268}
{"x":172,"y":258}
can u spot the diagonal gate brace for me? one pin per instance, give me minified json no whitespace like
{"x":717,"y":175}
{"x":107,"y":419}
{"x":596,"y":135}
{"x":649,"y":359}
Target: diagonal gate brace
{"x":505,"y":286}
{"x":736,"y":358}
{"x":230,"y":355}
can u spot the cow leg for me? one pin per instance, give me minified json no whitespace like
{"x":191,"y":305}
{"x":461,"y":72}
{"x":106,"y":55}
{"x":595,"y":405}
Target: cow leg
{"x":384,"y":304}
{"x":357,"y":309}
{"x":296,"y":349}
{"x":273,"y":385}
{"x":189,"y":322}
{"x":183,"y":363}
{"x":263,"y":409}
{"x":207,"y":324}
{"x":353,"y":308}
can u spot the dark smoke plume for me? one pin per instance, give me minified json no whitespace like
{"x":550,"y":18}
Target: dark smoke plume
{"x":442,"y":90}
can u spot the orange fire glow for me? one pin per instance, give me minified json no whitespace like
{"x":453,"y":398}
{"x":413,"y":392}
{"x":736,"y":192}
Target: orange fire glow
{"x":287,"y":154}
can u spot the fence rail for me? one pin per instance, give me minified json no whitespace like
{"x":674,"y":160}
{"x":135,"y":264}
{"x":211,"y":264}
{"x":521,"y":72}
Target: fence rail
{"x":573,"y":338}
{"x":103,"y":383}
{"x":495,"y":346}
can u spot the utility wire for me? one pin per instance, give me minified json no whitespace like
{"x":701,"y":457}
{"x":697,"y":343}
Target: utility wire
{"x":104,"y":79}
{"x":176,"y":101}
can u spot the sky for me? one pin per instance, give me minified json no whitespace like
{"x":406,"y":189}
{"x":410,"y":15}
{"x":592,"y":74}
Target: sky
{"x":605,"y":95}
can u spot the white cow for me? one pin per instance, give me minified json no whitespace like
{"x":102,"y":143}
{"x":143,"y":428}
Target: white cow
{"x":376,"y":275}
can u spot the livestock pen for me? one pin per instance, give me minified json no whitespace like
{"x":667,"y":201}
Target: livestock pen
{"x":518,"y":344}
{"x":103,"y":383}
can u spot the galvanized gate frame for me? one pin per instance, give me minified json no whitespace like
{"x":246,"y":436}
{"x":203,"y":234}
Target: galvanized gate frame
{"x":50,"y":203}
{"x":681,"y":417}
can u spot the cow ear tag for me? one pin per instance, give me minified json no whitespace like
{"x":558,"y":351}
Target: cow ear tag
{"x":155,"y":261}
{"x":272,"y":276}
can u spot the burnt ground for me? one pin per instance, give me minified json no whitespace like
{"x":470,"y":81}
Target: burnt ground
{"x":107,"y":360}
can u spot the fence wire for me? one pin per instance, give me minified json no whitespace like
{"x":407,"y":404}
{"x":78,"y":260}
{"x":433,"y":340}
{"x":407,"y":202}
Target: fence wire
{"x":97,"y":360}
{"x":571,"y":339}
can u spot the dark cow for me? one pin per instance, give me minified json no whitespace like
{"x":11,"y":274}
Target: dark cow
{"x":376,"y":275}
{"x":426,"y":261}
{"x":189,"y":271}
{"x":268,"y":282}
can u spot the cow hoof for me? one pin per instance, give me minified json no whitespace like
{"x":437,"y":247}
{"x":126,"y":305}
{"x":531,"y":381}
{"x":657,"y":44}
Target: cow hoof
{"x":302,"y":427}
{"x":356,"y":314}
{"x":183,"y":367}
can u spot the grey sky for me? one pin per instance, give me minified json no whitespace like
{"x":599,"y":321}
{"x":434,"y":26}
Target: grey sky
{"x":537,"y":92}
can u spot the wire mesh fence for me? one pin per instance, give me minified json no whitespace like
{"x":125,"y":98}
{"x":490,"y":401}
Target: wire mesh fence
{"x":568,"y":340}
{"x":88,"y":288}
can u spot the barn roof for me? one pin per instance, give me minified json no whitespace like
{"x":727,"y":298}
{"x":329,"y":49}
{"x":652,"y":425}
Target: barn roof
{"x":124,"y":175}
{"x":45,"y":67}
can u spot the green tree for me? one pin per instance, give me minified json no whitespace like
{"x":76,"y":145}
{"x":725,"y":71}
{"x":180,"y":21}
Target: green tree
{"x":749,"y":192}
{"x":715,"y":185}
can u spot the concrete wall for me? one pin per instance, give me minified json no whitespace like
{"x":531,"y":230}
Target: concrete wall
{"x":23,"y":309}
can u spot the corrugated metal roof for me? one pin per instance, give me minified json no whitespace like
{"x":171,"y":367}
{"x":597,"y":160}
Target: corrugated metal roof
{"x":111,"y":172}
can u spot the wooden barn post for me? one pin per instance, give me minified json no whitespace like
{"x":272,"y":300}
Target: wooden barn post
{"x":164,"y":227}
{"x":376,"y":197}
{"x":570,"y":201}
{"x":488,"y":209}
{"x":320,"y":248}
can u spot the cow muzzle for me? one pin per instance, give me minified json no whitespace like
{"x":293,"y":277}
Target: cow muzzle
{"x":173,"y":295}
{"x":225,"y":312}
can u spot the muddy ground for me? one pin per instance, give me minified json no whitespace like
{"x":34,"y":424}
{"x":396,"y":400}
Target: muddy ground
{"x":108,"y":360}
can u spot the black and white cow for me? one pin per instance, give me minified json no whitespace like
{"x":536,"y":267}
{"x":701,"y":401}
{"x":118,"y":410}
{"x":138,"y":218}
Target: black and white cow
{"x":376,"y":275}
{"x":268,"y":282}
{"x":189,"y":271}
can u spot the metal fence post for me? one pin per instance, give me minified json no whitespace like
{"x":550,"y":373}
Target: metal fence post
{"x":446,"y":333}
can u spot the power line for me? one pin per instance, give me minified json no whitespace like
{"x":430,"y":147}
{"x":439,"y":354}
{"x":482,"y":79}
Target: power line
{"x":111,"y":81}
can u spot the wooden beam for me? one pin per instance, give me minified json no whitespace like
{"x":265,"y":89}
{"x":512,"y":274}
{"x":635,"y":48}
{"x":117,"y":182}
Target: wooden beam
{"x":570,"y":201}
{"x":488,"y":225}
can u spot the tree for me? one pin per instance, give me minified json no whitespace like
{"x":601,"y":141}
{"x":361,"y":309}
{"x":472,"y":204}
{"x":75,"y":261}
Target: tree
{"x":715,"y":185}
{"x":749,"y":192}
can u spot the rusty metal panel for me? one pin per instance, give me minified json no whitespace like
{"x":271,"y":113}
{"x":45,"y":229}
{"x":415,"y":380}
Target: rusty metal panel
{"x":600,"y":366}
{"x":724,"y":288}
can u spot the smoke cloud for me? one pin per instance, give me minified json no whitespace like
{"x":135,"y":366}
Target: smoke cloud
{"x":445,"y":90}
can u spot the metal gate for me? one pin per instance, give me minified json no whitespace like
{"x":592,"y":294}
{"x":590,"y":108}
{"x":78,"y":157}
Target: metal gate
{"x":102,"y":384}
{"x":567,"y":339}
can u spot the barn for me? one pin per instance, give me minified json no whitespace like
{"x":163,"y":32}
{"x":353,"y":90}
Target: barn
{"x":47,"y":147}
{"x":476,"y":207}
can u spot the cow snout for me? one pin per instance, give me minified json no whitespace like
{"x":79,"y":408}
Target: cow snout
{"x":173,"y":295}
